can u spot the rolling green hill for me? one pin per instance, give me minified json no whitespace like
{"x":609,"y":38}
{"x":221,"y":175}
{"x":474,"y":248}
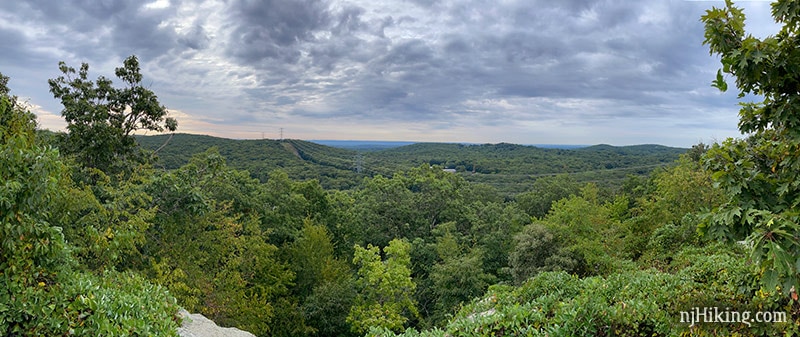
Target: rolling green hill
{"x":509,"y":167}
{"x":300,"y":159}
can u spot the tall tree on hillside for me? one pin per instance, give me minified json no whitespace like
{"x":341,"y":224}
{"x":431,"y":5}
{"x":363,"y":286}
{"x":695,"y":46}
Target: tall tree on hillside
{"x":101,"y":118}
{"x":761,"y":173}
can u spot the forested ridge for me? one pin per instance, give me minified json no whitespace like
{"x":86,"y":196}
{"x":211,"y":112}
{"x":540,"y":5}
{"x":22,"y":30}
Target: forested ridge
{"x":103,"y":237}
{"x":510,"y":168}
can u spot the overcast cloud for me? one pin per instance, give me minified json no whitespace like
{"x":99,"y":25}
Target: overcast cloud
{"x":527,"y":71}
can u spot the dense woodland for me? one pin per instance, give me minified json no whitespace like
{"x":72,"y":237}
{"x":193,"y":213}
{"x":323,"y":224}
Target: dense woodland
{"x":510,"y":168}
{"x":102,"y":236}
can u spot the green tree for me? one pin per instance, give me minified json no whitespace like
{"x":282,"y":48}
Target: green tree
{"x":760,"y":174}
{"x":5,"y":91}
{"x":385,"y":288}
{"x":328,"y":306}
{"x":493,"y":228}
{"x":312,"y":259}
{"x":285,"y":205}
{"x":676,"y":192}
{"x":41,"y":293}
{"x":4,"y":85}
{"x":458,"y":279}
{"x":449,"y":272}
{"x":544,"y":192}
{"x":535,"y":245}
{"x":409,"y":205}
{"x":33,"y":254}
{"x":588,"y":232}
{"x":106,"y":223}
{"x":323,"y":283}
{"x":101,"y":118}
{"x":207,"y":245}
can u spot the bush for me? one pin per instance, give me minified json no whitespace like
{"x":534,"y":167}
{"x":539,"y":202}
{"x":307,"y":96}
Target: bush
{"x":627,"y":303}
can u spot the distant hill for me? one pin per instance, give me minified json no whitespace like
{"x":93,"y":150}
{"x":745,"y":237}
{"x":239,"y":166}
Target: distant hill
{"x":361,"y":145}
{"x":374,"y":145}
{"x":302,"y":160}
{"x":559,"y":146}
{"x":509,"y":167}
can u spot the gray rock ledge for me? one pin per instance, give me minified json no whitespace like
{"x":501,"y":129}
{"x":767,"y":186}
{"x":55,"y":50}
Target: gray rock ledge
{"x":197,"y":325}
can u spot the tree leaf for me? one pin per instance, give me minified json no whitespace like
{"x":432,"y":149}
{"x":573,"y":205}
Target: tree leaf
{"x":720,"y":83}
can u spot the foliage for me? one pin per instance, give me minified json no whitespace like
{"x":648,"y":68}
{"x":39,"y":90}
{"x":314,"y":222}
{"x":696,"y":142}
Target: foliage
{"x":456,"y":274}
{"x":628,"y":303}
{"x":117,"y":304}
{"x":534,"y":251}
{"x":41,"y":293}
{"x":760,"y":175}
{"x":544,"y":192}
{"x":436,"y":209}
{"x":269,"y":250}
{"x":511,"y":169}
{"x":212,"y":254}
{"x":667,"y":240}
{"x":327,"y":307}
{"x":287,"y":204}
{"x":81,"y":304}
{"x":588,"y":234}
{"x":34,"y":256}
{"x":312,"y":259}
{"x":322,"y":281}
{"x":408,"y":205}
{"x":30,"y":175}
{"x":105,"y":223}
{"x":458,"y":279}
{"x":5,"y":91}
{"x":101,"y":119}
{"x":674,"y":194}
{"x":492,"y":230}
{"x":385,"y":288}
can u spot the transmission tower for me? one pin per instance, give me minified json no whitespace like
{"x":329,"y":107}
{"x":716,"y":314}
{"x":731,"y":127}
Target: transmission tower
{"x":359,"y":162}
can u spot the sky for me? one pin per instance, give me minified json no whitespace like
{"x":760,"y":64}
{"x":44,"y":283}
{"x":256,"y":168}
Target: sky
{"x":617,"y":72}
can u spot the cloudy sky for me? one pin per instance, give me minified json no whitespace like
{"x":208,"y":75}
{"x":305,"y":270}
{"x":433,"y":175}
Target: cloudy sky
{"x":522,"y":71}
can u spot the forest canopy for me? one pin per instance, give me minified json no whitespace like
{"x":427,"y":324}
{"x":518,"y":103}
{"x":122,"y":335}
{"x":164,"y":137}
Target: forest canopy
{"x":103,"y":236}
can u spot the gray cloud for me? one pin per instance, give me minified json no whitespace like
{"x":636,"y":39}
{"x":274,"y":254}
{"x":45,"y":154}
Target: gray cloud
{"x":12,"y":37}
{"x":271,"y":29}
{"x":444,"y":64}
{"x":196,"y":38}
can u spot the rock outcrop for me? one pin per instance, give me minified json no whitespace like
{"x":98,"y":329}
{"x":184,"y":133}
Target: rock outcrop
{"x":197,"y":325}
